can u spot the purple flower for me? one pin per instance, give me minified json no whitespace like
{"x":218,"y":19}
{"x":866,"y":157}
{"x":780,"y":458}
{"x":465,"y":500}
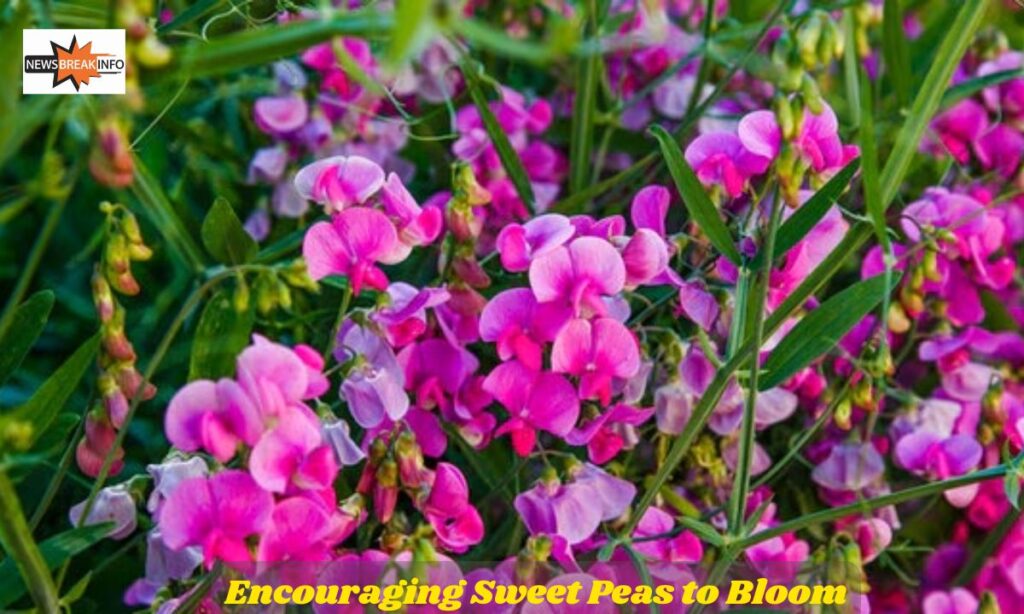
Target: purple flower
{"x":849,"y":467}
{"x":928,"y":453}
{"x":374,"y":387}
{"x":112,"y":504}
{"x":720,"y":159}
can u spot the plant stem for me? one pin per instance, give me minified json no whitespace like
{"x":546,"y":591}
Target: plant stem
{"x":868,"y":505}
{"x":741,"y":485}
{"x":346,"y":300}
{"x":17,"y":540}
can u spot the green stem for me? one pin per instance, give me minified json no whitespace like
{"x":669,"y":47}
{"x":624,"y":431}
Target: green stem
{"x":868,"y":505}
{"x":346,"y":300}
{"x":17,"y":540}
{"x":741,"y":485}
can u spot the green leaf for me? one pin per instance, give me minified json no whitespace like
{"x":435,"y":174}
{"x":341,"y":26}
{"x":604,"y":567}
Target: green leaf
{"x":703,"y":530}
{"x":929,"y":95}
{"x":414,"y":25}
{"x":497,"y":40}
{"x":221,"y":334}
{"x":27,"y":323}
{"x":997,"y":316}
{"x":701,"y":209}
{"x":583,"y":111}
{"x":261,"y":46}
{"x":810,"y":213}
{"x":194,"y":11}
{"x":225,"y":237}
{"x":895,"y":52}
{"x":820,"y":330}
{"x":970,"y":87}
{"x":48,"y":400}
{"x":55,"y":551}
{"x":158,"y":208}
{"x":508,"y":156}
{"x":1011,"y":486}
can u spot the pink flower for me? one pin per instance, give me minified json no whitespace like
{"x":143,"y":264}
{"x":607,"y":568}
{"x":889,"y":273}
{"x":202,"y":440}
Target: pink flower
{"x":351,"y":244}
{"x":596,"y":352}
{"x":340,"y":182}
{"x":302,"y":530}
{"x":416,"y":226}
{"x":520,"y":326}
{"x":817,"y":142}
{"x":280,"y":116}
{"x":404,"y":319}
{"x":293,"y":457}
{"x":519,"y":244}
{"x":456,"y":522}
{"x":721,"y":159}
{"x":535,"y":401}
{"x":219,"y":514}
{"x":955,"y":601}
{"x":958,"y":128}
{"x":579,"y":275}
{"x":212,"y":416}
{"x":849,"y":467}
{"x":683,"y":548}
{"x":1000,"y":148}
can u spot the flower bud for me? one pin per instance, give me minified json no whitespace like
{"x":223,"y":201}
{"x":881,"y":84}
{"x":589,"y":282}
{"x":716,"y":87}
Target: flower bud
{"x":812,"y":95}
{"x":898,"y":321}
{"x":16,"y":435}
{"x":410,"y":460}
{"x":842,"y":415}
{"x":807,"y":38}
{"x":110,"y":161}
{"x":152,"y":53}
{"x":102,"y":297}
{"x":385,"y":492}
{"x":988,"y":604}
{"x":240,"y":299}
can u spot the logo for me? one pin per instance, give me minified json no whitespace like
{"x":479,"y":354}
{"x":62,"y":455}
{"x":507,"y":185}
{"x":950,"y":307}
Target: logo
{"x":73,"y":61}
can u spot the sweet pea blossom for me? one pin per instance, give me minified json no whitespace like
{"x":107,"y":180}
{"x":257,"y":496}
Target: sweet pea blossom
{"x":817,"y":141}
{"x":352,"y":244}
{"x":519,"y":244}
{"x":535,"y":401}
{"x":579,"y":275}
{"x":218,"y":514}
{"x":595,"y":352}
{"x":929,"y":453}
{"x":340,"y":182}
{"x":722,"y":159}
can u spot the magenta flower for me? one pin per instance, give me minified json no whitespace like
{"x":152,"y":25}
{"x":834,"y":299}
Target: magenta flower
{"x":520,"y":326}
{"x":596,"y":353}
{"x":456,"y":522}
{"x":958,"y":128}
{"x":535,"y":401}
{"x":340,"y":182}
{"x":1000,"y":149}
{"x":404,"y":319}
{"x":293,"y":457}
{"x":351,"y":244}
{"x":955,"y":601}
{"x":928,"y":453}
{"x":721,"y":159}
{"x":213,"y":416}
{"x":519,"y":244}
{"x":302,"y":530}
{"x":579,"y":275}
{"x":416,"y":225}
{"x":650,"y":532}
{"x":817,"y":143}
{"x":219,"y":514}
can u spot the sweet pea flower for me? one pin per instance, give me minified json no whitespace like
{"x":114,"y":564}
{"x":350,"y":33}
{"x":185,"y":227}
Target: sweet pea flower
{"x":955,"y":601}
{"x":520,"y":326}
{"x":416,"y":225}
{"x":435,"y":372}
{"x":519,"y":244}
{"x":267,"y":165}
{"x":849,"y":467}
{"x":574,"y":510}
{"x":168,"y":474}
{"x":535,"y":401}
{"x":596,"y":352}
{"x":1006,"y":98}
{"x":302,"y":530}
{"x":351,"y":244}
{"x":958,"y":128}
{"x":404,"y":319}
{"x":817,"y":141}
{"x":280,"y":116}
{"x":606,"y":435}
{"x":292,"y":457}
{"x":1000,"y":149}
{"x":456,"y":522}
{"x":374,"y":386}
{"x":340,"y":182}
{"x":162,"y":566}
{"x":579,"y":275}
{"x":112,"y":504}
{"x":683,"y":548}
{"x":721,"y":159}
{"x":216,"y":417}
{"x":338,"y":435}
{"x":218,"y":514}
{"x":928,"y":453}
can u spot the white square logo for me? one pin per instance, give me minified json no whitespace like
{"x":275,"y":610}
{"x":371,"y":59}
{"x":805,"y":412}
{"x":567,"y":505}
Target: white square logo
{"x":73,"y":62}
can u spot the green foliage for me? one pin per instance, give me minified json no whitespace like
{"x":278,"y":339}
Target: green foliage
{"x":222,"y":332}
{"x":225,"y":238}
{"x":25,"y":326}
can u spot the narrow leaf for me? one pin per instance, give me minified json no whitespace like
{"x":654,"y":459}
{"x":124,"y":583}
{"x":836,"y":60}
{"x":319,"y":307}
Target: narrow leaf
{"x":583,"y":110}
{"x":55,"y":551}
{"x":970,"y":87}
{"x":894,"y":50}
{"x":508,"y":156}
{"x":157,"y":206}
{"x":26,"y":324}
{"x":701,"y":209}
{"x":413,"y":28}
{"x":221,"y":334}
{"x":810,"y":213}
{"x":225,"y":237}
{"x":53,"y":394}
{"x":929,"y":95}
{"x":821,"y":330}
{"x":194,"y":11}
